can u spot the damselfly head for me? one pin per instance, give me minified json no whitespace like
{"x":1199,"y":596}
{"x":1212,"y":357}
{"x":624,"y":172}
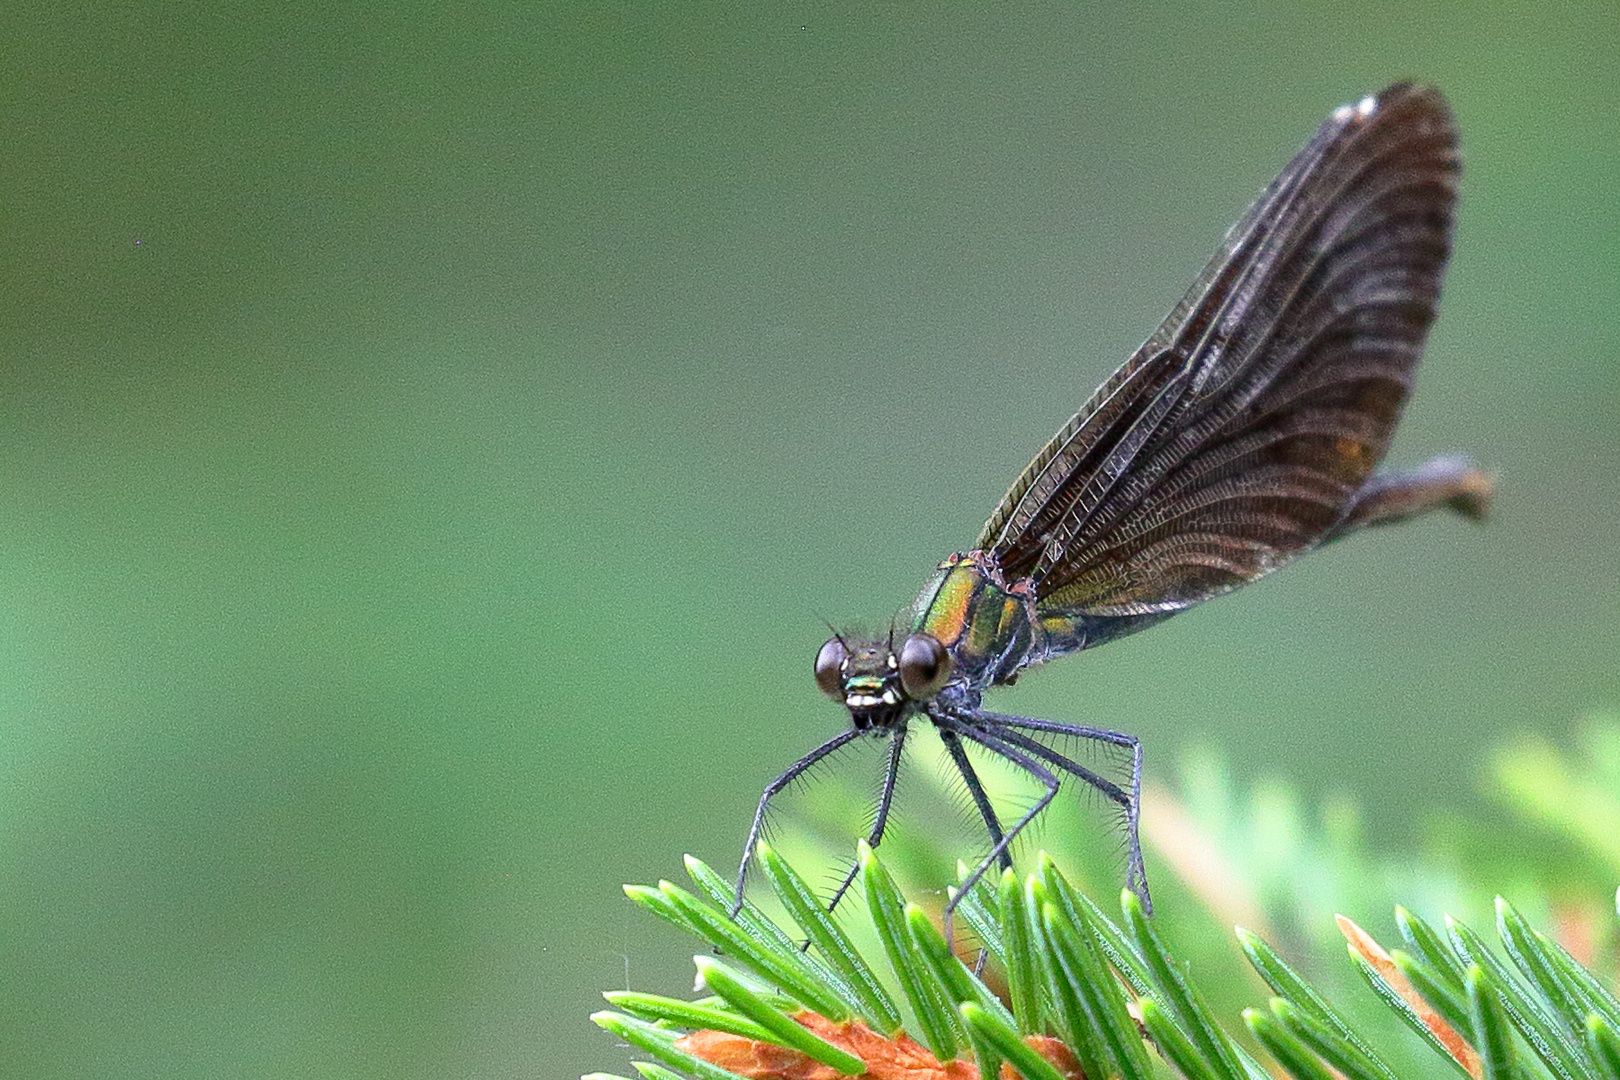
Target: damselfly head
{"x":876,"y":681}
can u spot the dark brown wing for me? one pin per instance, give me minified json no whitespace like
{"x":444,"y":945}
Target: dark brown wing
{"x":1238,"y":434}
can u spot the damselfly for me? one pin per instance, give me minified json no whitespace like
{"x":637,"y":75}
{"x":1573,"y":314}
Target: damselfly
{"x":1241,"y":435}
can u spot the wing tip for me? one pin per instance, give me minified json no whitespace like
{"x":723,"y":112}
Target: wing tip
{"x":1409,"y":96}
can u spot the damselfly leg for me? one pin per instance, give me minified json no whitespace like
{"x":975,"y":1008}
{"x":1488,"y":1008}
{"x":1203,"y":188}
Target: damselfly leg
{"x":1004,"y":736}
{"x":775,"y":788}
{"x":880,"y":821}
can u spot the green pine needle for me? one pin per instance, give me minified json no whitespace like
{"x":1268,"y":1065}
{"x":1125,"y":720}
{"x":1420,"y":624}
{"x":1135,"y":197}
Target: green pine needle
{"x":1175,"y":1047}
{"x":1005,"y":1041}
{"x":1495,"y":1041}
{"x":1428,"y":946}
{"x":937,"y":1023}
{"x":650,"y":1070}
{"x":660,"y":1043}
{"x":872,"y":1001}
{"x":786,"y":1031}
{"x":695,"y":1015}
{"x":1177,"y":992}
{"x":1023,"y":986}
{"x":1287,"y":984}
{"x":1289,"y":1051}
{"x":1328,"y":1044}
{"x":1604,"y":1045}
{"x":1452,"y":1006}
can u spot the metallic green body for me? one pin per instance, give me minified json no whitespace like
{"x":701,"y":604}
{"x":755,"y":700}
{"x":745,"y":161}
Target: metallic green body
{"x":994,"y":629}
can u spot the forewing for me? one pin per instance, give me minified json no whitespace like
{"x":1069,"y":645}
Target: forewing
{"x":1238,"y":434}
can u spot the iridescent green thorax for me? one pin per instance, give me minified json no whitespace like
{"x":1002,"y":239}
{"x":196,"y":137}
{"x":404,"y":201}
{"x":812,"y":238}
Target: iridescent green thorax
{"x":994,"y":628}
{"x":985,"y":623}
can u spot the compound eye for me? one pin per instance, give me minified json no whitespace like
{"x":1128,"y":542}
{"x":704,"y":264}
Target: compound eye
{"x":830,"y":669}
{"x":925,"y":667}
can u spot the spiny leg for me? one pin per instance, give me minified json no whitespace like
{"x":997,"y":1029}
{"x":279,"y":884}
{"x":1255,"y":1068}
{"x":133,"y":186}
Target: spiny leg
{"x":964,"y":727}
{"x":987,"y":812}
{"x":1053,"y":757}
{"x":891,"y":772}
{"x":981,"y":799}
{"x":1135,"y":873}
{"x":775,"y":788}
{"x":1116,"y":738}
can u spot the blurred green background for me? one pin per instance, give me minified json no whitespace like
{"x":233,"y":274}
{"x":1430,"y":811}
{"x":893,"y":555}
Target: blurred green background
{"x":431,"y":439}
